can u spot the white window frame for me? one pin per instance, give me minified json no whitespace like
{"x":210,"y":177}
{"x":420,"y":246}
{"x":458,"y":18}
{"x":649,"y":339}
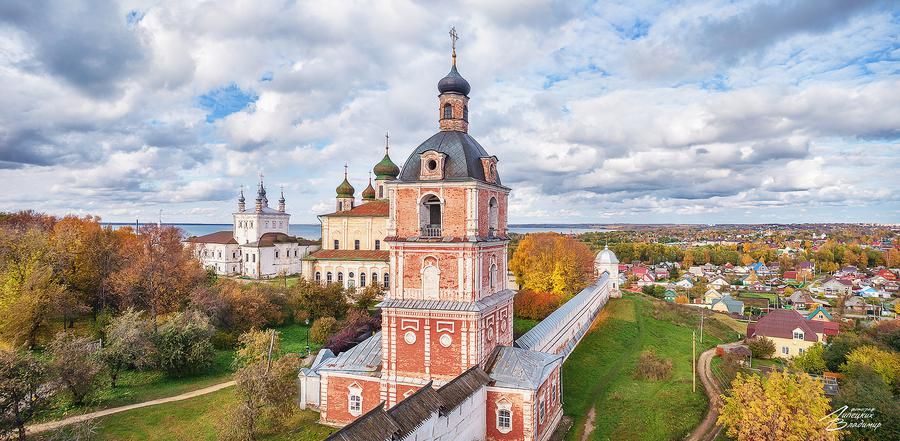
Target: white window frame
{"x":798,"y":334}
{"x":354,"y":400}
{"x":785,"y":350}
{"x":542,"y":409}
{"x":501,"y":407}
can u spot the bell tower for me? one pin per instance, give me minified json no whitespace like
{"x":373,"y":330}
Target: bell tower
{"x":448,"y":306}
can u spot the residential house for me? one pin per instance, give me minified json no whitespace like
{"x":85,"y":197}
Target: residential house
{"x":711,"y":295}
{"x":646,"y":279}
{"x":661,"y":273}
{"x":759,"y":268}
{"x":670,"y":295}
{"x":837,"y":287}
{"x":805,"y":270}
{"x":750,"y":279}
{"x":801,"y":299}
{"x":789,"y":276}
{"x":792,"y":333}
{"x":719,"y":282}
{"x":854,"y":305}
{"x":728,"y":305}
{"x":819,"y":314}
{"x":684,"y":283}
{"x":696,"y":271}
{"x":886,"y":273}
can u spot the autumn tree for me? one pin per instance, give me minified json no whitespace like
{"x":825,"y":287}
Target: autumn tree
{"x":28,"y":285}
{"x":322,"y":329}
{"x":74,"y":364}
{"x":311,"y":300}
{"x":884,"y":362}
{"x":761,"y":347}
{"x":128,"y":344}
{"x":254,"y":346}
{"x":779,"y":407}
{"x":552,"y":262}
{"x":266,"y":388}
{"x":159,"y":273}
{"x":25,"y":389}
{"x":249,"y":306}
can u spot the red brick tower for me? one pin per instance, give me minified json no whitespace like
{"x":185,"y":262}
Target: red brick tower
{"x":448,"y":305}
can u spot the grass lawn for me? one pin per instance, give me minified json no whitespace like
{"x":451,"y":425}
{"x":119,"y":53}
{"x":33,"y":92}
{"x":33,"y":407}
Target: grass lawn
{"x":599,"y":373}
{"x":134,"y":387}
{"x":198,"y":419}
{"x":522,"y":325}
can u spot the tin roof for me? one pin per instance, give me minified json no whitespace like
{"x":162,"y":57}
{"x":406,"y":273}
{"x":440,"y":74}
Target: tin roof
{"x":362,"y":358}
{"x":560,"y":318}
{"x":520,"y":368}
{"x":463,"y":161}
{"x":374,"y":425}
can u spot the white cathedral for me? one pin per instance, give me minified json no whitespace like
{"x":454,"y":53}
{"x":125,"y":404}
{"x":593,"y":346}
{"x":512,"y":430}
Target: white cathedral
{"x":259,"y":246}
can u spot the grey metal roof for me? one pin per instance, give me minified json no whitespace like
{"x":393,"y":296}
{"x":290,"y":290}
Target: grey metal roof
{"x":450,"y":305}
{"x":520,"y":368}
{"x":463,"y":161}
{"x":560,"y":318}
{"x":733,"y":305}
{"x":461,"y":388}
{"x":362,"y":358}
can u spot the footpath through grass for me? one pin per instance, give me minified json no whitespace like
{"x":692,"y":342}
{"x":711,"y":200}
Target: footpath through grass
{"x":139,"y":386}
{"x":196,"y":419}
{"x":600,"y":373}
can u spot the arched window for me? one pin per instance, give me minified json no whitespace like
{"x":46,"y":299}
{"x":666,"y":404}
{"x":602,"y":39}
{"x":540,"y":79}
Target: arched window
{"x":380,"y":191}
{"x":351,"y":280}
{"x":337,"y":244}
{"x":431,"y":282}
{"x":318,"y":277}
{"x":354,"y":399}
{"x":375,"y":278}
{"x":448,"y":111}
{"x":356,"y":244}
{"x":362,"y":280}
{"x":387,"y":280}
{"x":466,"y":113}
{"x":341,"y":277}
{"x":328,"y":277}
{"x":493,"y":276}
{"x":493,"y":217}
{"x":504,"y":417}
{"x":430,"y":216}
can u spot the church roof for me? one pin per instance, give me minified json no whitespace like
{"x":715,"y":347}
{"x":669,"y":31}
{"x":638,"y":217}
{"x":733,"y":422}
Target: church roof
{"x":369,"y":193}
{"x":369,"y":209}
{"x":377,"y":255}
{"x":363,"y":358}
{"x":221,"y":237}
{"x":463,"y":161}
{"x":386,"y":169}
{"x":270,"y":239}
{"x":520,"y":368}
{"x":345,"y":190}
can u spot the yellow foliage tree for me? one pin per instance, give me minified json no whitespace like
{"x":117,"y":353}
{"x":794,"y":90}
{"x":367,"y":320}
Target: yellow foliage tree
{"x":781,"y":407}
{"x":884,"y":363}
{"x":682,"y":299}
{"x":552,"y":262}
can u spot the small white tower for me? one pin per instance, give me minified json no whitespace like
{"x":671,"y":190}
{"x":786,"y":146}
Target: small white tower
{"x":607,"y":262}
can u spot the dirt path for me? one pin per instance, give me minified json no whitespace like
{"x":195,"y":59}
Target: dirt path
{"x":89,"y":416}
{"x":708,"y":430}
{"x":589,"y":424}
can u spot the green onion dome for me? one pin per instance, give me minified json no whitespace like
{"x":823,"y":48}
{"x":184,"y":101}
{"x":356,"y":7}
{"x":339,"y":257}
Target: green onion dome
{"x":369,"y":193}
{"x":345,"y":190}
{"x":386,"y":169}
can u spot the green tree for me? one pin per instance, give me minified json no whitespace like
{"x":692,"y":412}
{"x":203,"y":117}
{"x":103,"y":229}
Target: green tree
{"x":322,"y":329}
{"x":75,"y":366}
{"x":128,"y":344}
{"x":780,"y":407}
{"x":864,"y":388}
{"x":254,"y":346}
{"x":883,"y":362}
{"x":811,"y":360}
{"x":184,"y":344}
{"x":761,"y":347}
{"x":266,"y":392}
{"x":25,"y":390}
{"x":835,"y":354}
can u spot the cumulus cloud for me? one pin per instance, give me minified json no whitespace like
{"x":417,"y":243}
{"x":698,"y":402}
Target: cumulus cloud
{"x":599,"y":111}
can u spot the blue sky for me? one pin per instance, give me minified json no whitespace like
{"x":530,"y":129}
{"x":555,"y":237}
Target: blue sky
{"x":628,"y":111}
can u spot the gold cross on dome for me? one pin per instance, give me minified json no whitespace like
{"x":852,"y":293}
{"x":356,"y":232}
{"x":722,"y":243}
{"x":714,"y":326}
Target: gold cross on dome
{"x":453,"y":37}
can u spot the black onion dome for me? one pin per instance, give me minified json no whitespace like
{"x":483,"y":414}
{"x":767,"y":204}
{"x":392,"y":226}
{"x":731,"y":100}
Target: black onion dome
{"x":454,"y":82}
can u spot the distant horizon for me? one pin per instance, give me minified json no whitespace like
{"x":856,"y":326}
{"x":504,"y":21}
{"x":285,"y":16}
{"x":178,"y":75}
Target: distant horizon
{"x":564,"y":224}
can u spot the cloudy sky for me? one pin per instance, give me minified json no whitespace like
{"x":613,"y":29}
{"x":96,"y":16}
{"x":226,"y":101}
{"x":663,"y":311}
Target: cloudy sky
{"x":612,"y":111}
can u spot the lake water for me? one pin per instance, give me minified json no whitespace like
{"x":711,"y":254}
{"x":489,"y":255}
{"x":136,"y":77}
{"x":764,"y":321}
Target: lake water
{"x":314,"y":231}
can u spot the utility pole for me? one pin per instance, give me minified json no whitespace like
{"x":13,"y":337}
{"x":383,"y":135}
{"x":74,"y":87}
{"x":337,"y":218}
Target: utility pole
{"x":694,"y":359}
{"x":702,"y":315}
{"x":271,"y":347}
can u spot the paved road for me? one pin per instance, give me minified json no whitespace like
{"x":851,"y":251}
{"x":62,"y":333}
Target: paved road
{"x":89,"y":416}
